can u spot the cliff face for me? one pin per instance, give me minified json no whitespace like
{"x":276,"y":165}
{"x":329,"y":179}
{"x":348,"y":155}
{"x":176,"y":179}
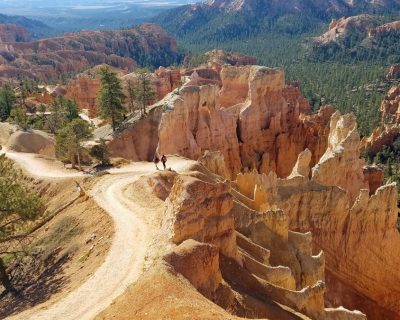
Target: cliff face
{"x":356,"y":231}
{"x":85,"y":90}
{"x":390,"y":124}
{"x":243,"y":260}
{"x":163,"y":81}
{"x":73,"y":52}
{"x":341,"y":29}
{"x":255,"y":120}
{"x":390,"y":107}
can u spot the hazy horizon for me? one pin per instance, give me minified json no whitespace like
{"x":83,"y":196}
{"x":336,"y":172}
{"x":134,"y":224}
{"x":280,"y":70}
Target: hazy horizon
{"x":74,"y":15}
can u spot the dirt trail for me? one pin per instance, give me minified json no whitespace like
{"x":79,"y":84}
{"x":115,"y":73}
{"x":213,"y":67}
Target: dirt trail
{"x":41,"y":167}
{"x":125,"y":260}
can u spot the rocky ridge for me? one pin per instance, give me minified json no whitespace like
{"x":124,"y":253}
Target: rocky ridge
{"x":341,"y":29}
{"x":246,"y":262}
{"x":73,"y":52}
{"x":389,"y":130}
{"x":261,"y":133}
{"x":13,"y":33}
{"x":356,"y":231}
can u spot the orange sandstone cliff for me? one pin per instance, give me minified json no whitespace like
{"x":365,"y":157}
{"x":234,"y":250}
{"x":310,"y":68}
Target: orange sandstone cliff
{"x":293,"y":170}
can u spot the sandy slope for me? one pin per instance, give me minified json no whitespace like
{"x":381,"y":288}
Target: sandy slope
{"x":125,"y":260}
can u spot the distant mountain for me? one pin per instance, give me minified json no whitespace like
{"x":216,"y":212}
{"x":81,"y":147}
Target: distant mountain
{"x":221,"y":19}
{"x":37,"y":28}
{"x":76,"y":15}
{"x":146,"y":45}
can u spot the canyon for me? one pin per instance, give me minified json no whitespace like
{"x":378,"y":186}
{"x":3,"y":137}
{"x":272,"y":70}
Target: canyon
{"x":257,"y":131}
{"x":47,"y":59}
{"x":272,"y":203}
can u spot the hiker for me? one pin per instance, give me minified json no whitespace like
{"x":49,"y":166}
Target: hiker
{"x":164,"y":160}
{"x":156,"y":161}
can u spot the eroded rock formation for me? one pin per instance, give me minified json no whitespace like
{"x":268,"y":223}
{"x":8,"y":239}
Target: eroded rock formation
{"x":49,"y":58}
{"x":163,"y":81}
{"x":394,"y":72}
{"x":256,"y":120}
{"x":264,"y":130}
{"x":340,"y":29}
{"x":357,"y":231}
{"x":389,"y":130}
{"x":246,"y":261}
{"x":85,"y":91}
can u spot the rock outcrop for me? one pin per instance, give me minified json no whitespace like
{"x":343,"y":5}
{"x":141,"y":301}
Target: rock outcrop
{"x":394,"y":72}
{"x":356,"y":230}
{"x":374,"y":176}
{"x":390,"y":107}
{"x":354,"y":34}
{"x":85,"y":91}
{"x":32,"y":142}
{"x":343,"y":155}
{"x":385,"y":29}
{"x":389,"y":130}
{"x":217,"y":58}
{"x":340,"y":29}
{"x":163,"y":81}
{"x":265,"y":132}
{"x":245,"y":261}
{"x":255,"y":120}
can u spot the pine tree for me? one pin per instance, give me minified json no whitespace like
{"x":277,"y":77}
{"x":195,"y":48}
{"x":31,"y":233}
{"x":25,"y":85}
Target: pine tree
{"x":131,"y":95}
{"x":69,"y":139}
{"x":7,"y":101}
{"x":18,"y":206}
{"x":111,"y":97}
{"x":56,"y":119}
{"x":18,"y":116}
{"x":144,"y":91}
{"x":62,"y":111}
{"x":71,"y":109}
{"x":40,"y":118}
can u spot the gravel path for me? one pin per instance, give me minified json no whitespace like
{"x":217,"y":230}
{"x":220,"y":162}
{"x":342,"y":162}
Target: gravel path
{"x":125,"y":259}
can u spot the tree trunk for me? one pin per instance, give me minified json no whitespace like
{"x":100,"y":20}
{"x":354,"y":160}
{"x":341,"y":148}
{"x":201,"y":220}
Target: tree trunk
{"x":79,"y":161}
{"x":4,"y":278}
{"x":113,"y":121}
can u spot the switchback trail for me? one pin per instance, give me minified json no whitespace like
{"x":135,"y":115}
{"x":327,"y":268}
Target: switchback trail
{"x":125,"y":259}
